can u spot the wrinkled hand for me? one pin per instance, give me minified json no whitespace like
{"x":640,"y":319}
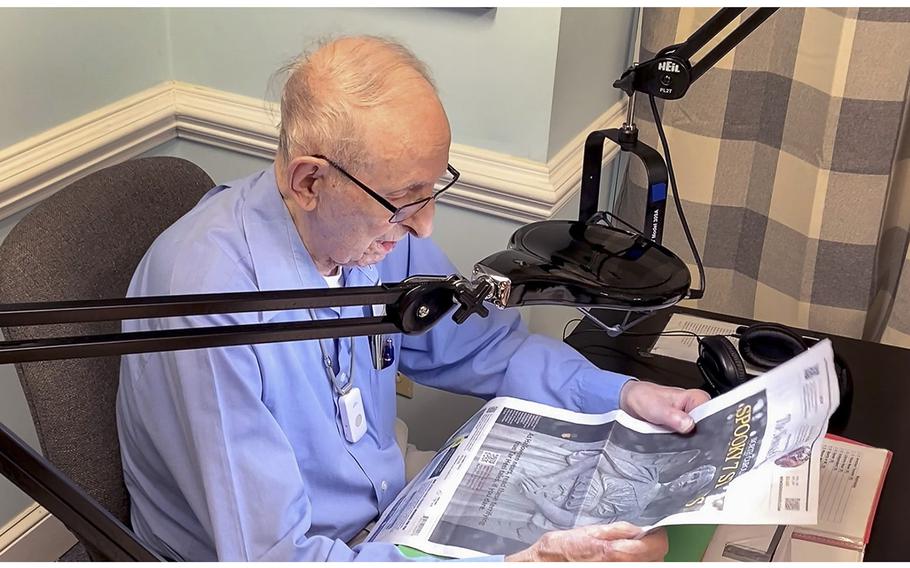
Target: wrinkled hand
{"x":664,"y":406}
{"x":596,"y":543}
{"x":530,"y":487}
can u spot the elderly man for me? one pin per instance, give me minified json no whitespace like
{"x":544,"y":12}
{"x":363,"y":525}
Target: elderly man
{"x":238,"y":453}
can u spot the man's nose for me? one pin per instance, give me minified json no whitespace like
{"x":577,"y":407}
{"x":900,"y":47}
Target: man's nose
{"x":421,"y":224}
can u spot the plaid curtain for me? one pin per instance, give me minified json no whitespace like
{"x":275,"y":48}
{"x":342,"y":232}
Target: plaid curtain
{"x":793,"y":161}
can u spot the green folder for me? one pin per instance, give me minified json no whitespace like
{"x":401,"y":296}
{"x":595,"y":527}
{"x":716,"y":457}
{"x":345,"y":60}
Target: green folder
{"x":688,"y":542}
{"x":409,"y":552}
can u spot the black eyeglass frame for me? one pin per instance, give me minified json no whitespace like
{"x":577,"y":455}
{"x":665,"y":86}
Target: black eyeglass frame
{"x":396,"y":211}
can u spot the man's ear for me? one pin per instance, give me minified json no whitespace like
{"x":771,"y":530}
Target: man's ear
{"x":304,"y":174}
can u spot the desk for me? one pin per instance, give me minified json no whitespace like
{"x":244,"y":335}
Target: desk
{"x":879,"y":415}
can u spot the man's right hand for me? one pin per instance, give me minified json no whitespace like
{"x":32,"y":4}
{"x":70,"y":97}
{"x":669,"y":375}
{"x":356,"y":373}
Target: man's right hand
{"x":615,"y":542}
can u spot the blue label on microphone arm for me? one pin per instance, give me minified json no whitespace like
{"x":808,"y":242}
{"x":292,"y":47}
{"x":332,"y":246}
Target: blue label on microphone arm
{"x":658,"y":192}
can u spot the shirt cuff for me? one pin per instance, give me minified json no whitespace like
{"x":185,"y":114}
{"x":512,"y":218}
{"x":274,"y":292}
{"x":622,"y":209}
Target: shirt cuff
{"x":597,"y":391}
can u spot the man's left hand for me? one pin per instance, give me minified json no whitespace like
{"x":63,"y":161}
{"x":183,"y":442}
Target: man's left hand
{"x":660,"y":405}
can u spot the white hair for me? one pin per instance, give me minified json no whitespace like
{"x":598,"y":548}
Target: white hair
{"x":326,"y":84}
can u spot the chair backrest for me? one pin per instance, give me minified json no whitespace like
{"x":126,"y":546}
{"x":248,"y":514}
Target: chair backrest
{"x":84,"y":243}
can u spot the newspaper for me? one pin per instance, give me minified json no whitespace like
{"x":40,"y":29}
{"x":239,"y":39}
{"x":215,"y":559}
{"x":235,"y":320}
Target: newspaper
{"x":518,"y":469}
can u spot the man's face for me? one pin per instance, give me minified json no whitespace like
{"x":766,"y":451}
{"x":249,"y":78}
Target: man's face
{"x":408,"y":149}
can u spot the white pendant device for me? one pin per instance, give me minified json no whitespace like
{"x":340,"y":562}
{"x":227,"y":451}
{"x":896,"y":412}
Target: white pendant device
{"x":350,"y":403}
{"x":353,"y":419}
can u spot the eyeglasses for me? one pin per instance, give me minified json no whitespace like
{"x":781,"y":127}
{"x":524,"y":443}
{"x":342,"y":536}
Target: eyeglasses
{"x":408,"y":210}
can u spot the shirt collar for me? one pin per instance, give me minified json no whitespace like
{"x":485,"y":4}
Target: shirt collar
{"x":279,"y":258}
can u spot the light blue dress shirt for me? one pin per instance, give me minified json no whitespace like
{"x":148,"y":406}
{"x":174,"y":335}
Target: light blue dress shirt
{"x":237,"y":453}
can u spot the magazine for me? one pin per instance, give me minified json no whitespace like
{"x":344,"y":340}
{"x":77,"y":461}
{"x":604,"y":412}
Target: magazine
{"x":519,"y":469}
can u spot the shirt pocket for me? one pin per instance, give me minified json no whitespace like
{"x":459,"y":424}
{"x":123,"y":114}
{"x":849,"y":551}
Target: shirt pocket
{"x":384,"y":396}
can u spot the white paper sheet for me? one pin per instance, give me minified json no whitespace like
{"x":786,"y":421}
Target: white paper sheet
{"x":685,"y":347}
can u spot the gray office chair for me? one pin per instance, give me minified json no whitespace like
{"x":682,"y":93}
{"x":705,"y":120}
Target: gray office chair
{"x":84,"y":242}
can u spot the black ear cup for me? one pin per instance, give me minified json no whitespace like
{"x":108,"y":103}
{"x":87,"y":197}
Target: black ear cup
{"x":767,"y":345}
{"x":720,"y":363}
{"x":764,"y":345}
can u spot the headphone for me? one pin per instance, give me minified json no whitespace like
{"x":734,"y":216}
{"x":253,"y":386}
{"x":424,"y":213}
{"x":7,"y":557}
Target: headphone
{"x":763,"y":346}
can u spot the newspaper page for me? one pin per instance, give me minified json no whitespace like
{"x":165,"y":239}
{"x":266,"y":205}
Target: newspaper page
{"x":518,"y":469}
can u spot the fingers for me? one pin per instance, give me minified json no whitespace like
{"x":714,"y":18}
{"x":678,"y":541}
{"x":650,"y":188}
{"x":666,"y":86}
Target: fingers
{"x":678,"y":420}
{"x":686,"y":401}
{"x":664,"y":406}
{"x":652,"y":547}
{"x":695,"y":398}
{"x":603,"y":543}
{"x":612,"y":531}
{"x":664,"y":412}
{"x":631,"y":551}
{"x":656,"y":544}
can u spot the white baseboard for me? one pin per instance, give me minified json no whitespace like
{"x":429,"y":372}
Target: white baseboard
{"x":491,"y":182}
{"x":34,"y":536}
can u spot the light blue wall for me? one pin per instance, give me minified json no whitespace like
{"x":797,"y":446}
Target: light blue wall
{"x":222,"y":165}
{"x":15,"y":416}
{"x":57,"y":64}
{"x":594,"y":50}
{"x":13,"y":412}
{"x":536,"y":75}
{"x":494,"y":67}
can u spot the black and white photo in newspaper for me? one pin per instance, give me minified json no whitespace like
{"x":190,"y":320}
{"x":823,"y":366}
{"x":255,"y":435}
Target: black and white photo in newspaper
{"x":536,"y":468}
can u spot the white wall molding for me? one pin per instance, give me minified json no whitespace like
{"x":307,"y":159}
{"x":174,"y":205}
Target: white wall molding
{"x":36,"y":167}
{"x":226,"y":120}
{"x":34,"y":536}
{"x":524,"y":190}
{"x":492,"y":182}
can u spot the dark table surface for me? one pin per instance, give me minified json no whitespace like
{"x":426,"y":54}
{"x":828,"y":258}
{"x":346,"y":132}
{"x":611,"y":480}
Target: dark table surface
{"x":879,"y":414}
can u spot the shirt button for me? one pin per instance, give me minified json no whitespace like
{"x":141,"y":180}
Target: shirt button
{"x":384,"y":485}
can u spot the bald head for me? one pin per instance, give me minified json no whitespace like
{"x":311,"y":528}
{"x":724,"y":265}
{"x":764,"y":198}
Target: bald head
{"x":364,"y":109}
{"x":332,"y":91}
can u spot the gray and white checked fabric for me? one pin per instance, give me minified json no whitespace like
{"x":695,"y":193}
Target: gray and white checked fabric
{"x":793,"y":160}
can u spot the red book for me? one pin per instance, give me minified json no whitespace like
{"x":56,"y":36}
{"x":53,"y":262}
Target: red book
{"x":850,"y":486}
